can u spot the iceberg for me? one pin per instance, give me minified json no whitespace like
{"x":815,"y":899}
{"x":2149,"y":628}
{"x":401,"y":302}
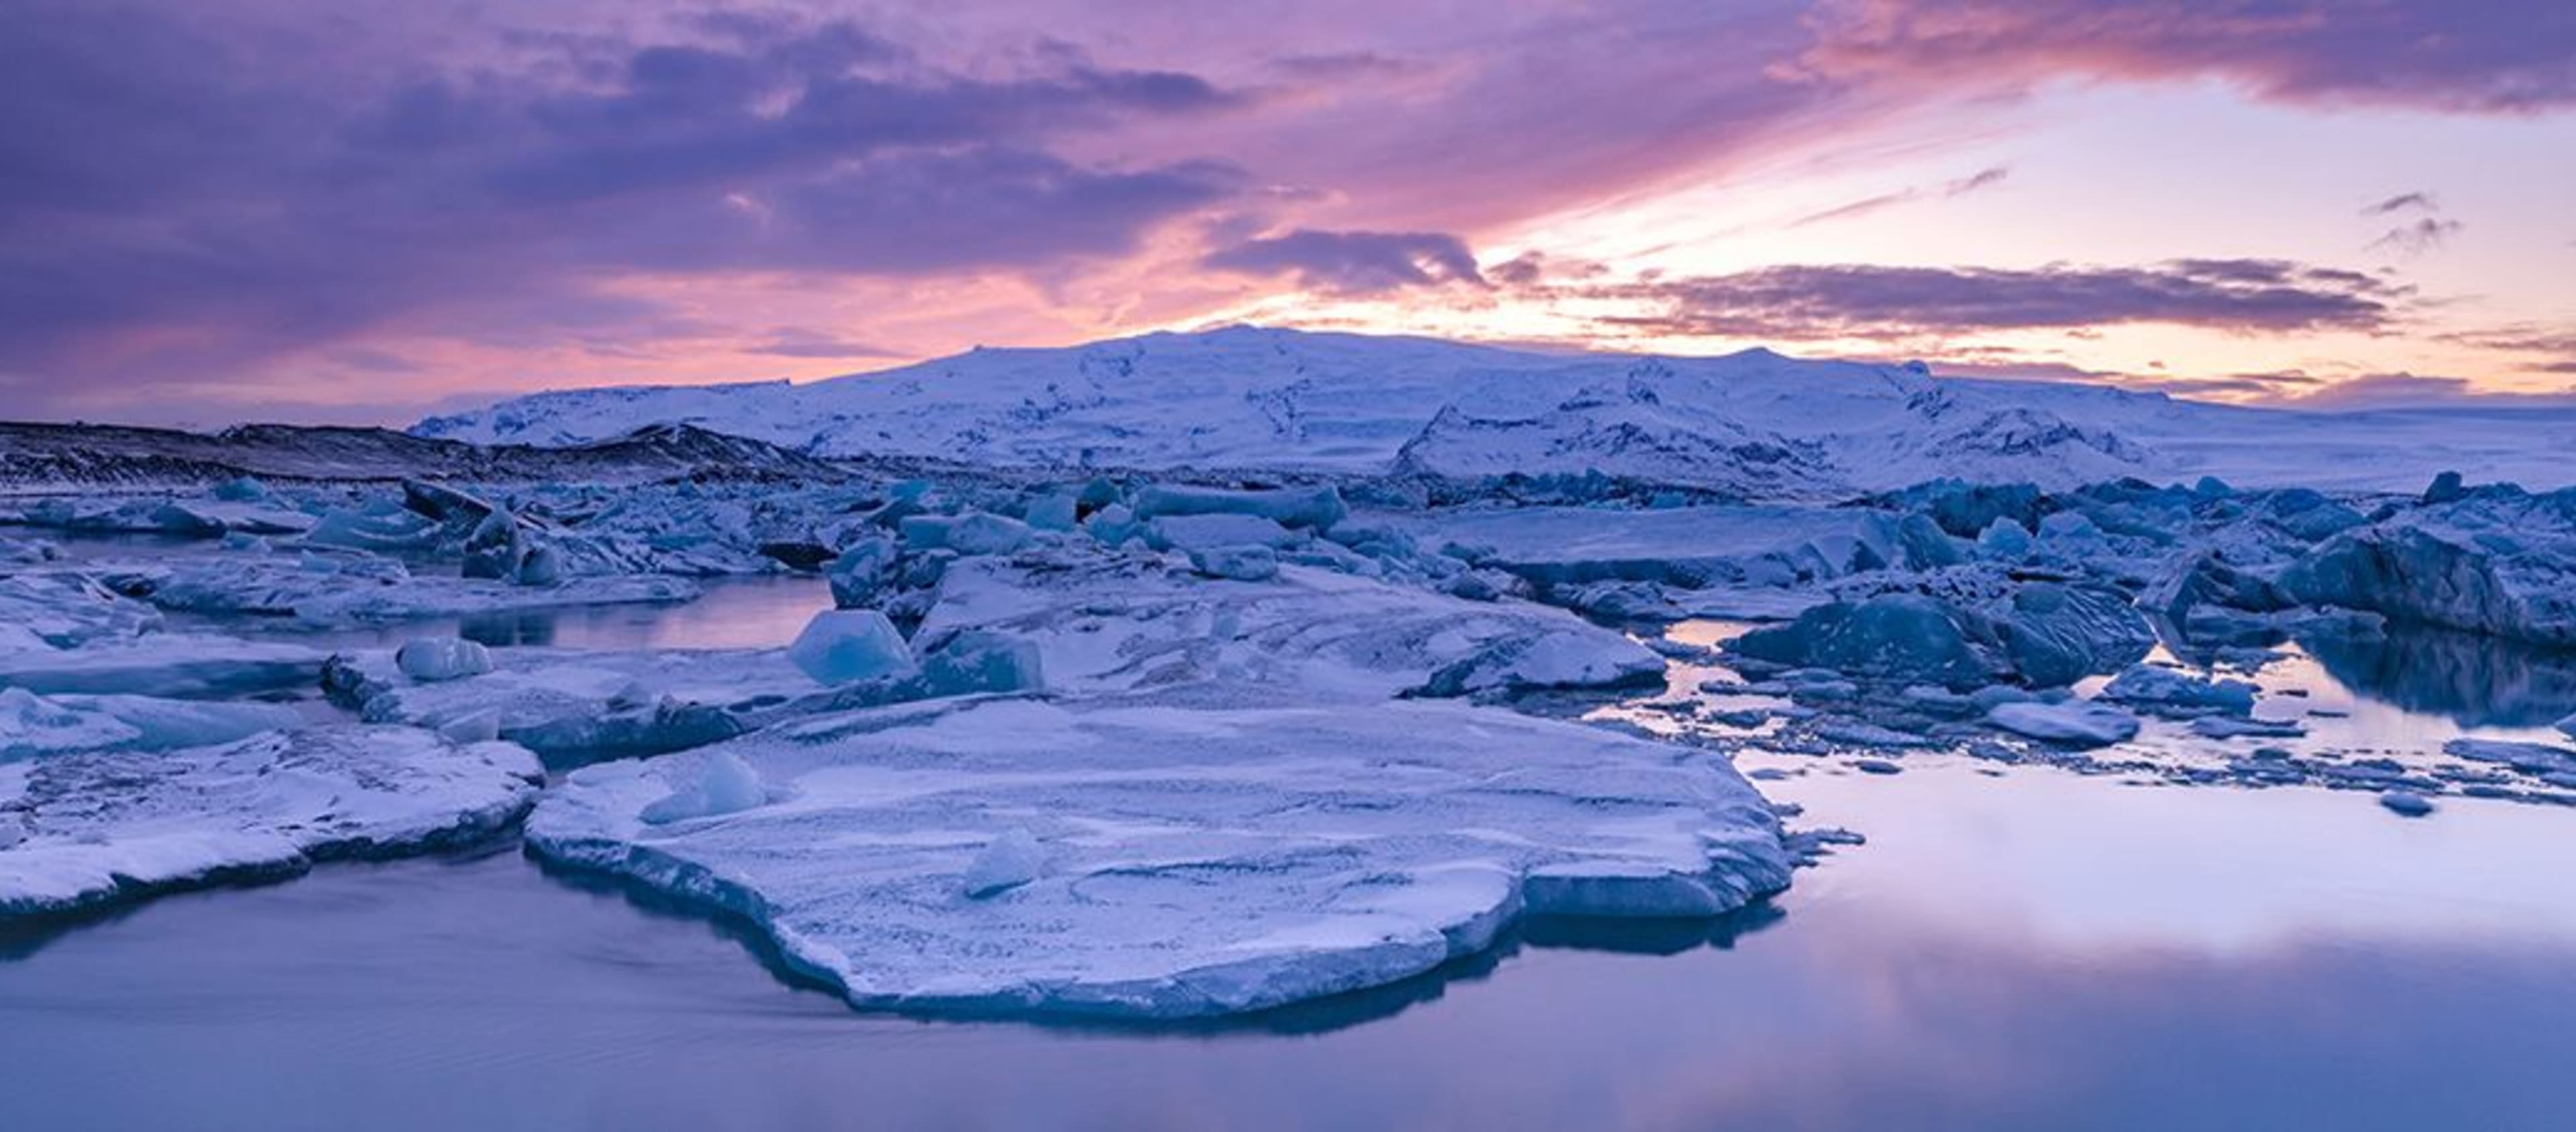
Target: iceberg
{"x":2497,"y":561}
{"x":99,"y":827}
{"x":1190,"y":861}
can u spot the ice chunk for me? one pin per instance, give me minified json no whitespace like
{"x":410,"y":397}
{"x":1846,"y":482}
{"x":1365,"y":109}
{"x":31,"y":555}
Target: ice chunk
{"x":1316,"y":508}
{"x":164,"y":664}
{"x":1207,"y":532}
{"x":1107,"y":621}
{"x":431,"y":659}
{"x":2006,"y":540}
{"x":842,"y":645}
{"x":573,"y":706}
{"x":32,"y":726}
{"x":974,"y":533}
{"x":863,"y":573}
{"x":541,"y":566}
{"x":1546,"y":660}
{"x":714,"y":786}
{"x":2534,"y":758}
{"x":242,"y":490}
{"x":1198,"y":861}
{"x":2057,"y":634}
{"x":1241,"y":563}
{"x":164,"y":724}
{"x":2568,"y":725}
{"x":2074,"y":723}
{"x":981,"y":533}
{"x":975,"y":661}
{"x":1892,"y":636}
{"x":1053,"y":512}
{"x":66,"y":610}
{"x":2406,"y":803}
{"x":1007,"y":862}
{"x":102,"y":827}
{"x":2497,"y":561}
{"x":2158,"y":689}
{"x":473,"y":727}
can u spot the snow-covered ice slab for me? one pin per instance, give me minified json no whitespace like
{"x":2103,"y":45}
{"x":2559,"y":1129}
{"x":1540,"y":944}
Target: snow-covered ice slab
{"x":163,"y":664}
{"x":567,"y":702}
{"x":1141,"y":860}
{"x":1109,"y":622}
{"x":33,"y":726}
{"x":1686,"y":546}
{"x":334,"y":590}
{"x":86,"y":829}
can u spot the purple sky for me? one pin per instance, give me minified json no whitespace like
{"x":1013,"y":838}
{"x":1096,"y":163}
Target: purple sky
{"x":344,"y":209}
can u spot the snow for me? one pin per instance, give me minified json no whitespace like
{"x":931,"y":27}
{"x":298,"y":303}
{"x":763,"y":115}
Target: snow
{"x":98,"y":827}
{"x":841,"y":646}
{"x":1755,"y":425}
{"x":1195,"y":861}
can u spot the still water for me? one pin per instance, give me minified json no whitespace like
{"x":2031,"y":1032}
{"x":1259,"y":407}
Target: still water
{"x":2013,"y":948}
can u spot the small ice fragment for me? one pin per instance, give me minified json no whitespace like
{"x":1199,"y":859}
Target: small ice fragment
{"x":431,"y":659}
{"x":1239,"y":563}
{"x":1007,"y":862}
{"x":473,"y":727}
{"x":2076,"y":723}
{"x":724,"y":785}
{"x":843,"y":645}
{"x":2406,"y":803}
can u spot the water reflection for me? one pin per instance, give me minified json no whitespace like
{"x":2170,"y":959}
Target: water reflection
{"x":2471,"y":680}
{"x":2039,"y":951}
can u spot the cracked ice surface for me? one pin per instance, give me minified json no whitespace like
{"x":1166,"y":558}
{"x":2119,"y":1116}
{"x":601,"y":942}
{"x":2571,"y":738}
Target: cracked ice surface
{"x":79,"y":830}
{"x":1166,"y":861}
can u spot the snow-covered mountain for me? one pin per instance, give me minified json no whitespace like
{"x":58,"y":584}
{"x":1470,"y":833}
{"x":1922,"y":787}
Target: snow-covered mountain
{"x":1755,"y":423}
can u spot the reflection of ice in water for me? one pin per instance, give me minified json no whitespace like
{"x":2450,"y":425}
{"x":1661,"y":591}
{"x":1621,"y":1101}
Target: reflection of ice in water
{"x":754,"y":612}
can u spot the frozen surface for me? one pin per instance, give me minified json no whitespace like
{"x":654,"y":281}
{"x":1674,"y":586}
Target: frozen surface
{"x":1187,"y":861}
{"x":88,"y":829}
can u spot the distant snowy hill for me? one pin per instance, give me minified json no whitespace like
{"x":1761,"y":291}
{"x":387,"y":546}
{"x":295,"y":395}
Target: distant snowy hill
{"x":1755,"y":423}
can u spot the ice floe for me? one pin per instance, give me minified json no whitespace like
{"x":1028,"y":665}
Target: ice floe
{"x":1179,"y":861}
{"x":93,"y":828}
